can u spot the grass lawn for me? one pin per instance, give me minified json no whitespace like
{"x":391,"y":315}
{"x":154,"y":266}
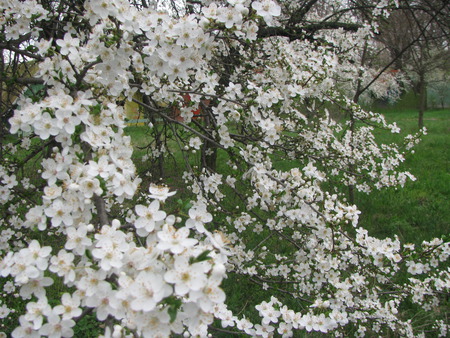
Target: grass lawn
{"x":421,"y":210}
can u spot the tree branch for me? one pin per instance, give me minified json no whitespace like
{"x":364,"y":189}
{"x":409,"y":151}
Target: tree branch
{"x":24,"y":80}
{"x":168,"y":118}
{"x":295,"y":33}
{"x":101,"y":210}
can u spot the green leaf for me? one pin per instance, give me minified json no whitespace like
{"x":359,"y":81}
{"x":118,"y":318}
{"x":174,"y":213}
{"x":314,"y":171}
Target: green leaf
{"x":96,"y":110}
{"x":32,"y":48}
{"x":201,"y":258}
{"x":172,"y":311}
{"x":174,"y":305}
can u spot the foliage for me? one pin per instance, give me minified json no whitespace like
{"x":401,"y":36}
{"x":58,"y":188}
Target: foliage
{"x":247,"y":84}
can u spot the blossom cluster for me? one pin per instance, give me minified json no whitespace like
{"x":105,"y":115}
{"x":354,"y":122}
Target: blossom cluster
{"x":123,"y":253}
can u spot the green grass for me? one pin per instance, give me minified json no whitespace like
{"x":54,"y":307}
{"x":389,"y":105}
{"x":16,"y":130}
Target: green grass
{"x":420,"y":210}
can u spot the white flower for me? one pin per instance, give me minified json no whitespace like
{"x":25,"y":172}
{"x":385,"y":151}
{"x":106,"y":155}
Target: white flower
{"x":417,"y":268}
{"x":304,"y":322}
{"x":148,"y":216}
{"x":186,"y":277}
{"x":123,"y":186}
{"x":198,"y":217}
{"x":195,"y":143}
{"x":77,"y":239}
{"x":36,"y":312}
{"x":53,"y":171}
{"x":109,"y":257}
{"x":9,"y":287}
{"x":210,"y":295}
{"x":160,"y":192}
{"x":35,"y":286}
{"x":89,"y":187}
{"x":285,"y":330}
{"x":92,"y":282}
{"x":52,"y":192}
{"x":264,"y":330}
{"x":26,"y":329}
{"x":69,"y":307}
{"x":102,"y":167}
{"x":68,"y":45}
{"x":63,"y":266}
{"x":100,"y":300}
{"x":66,"y":120}
{"x":43,"y":46}
{"x":158,"y":325}
{"x":57,"y":327}
{"x":148,"y":290}
{"x":170,"y":54}
{"x":39,"y":256}
{"x":322,"y":323}
{"x":219,"y":241}
{"x":4,"y":311}
{"x":229,"y":16}
{"x":230,"y":181}
{"x":267,"y":9}
{"x":59,"y":212}
{"x":188,"y":32}
{"x":175,"y":240}
{"x":46,"y":126}
{"x":9,"y":181}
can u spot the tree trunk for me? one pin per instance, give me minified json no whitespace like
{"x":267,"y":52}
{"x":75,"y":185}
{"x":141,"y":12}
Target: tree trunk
{"x":422,"y":98}
{"x":157,"y":135}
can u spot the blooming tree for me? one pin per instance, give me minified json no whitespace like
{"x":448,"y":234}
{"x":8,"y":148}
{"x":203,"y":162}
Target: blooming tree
{"x":267,"y":82}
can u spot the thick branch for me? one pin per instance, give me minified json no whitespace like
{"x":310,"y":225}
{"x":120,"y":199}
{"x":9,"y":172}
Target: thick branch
{"x":101,"y":210}
{"x":350,"y":27}
{"x":24,"y":80}
{"x":20,"y":51}
{"x":295,"y":33}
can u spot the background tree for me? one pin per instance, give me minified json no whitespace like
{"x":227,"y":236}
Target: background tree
{"x":417,"y":37}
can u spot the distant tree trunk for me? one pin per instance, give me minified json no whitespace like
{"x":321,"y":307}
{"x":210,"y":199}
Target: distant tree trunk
{"x":157,"y":136}
{"x":209,"y":150}
{"x":422,"y":98}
